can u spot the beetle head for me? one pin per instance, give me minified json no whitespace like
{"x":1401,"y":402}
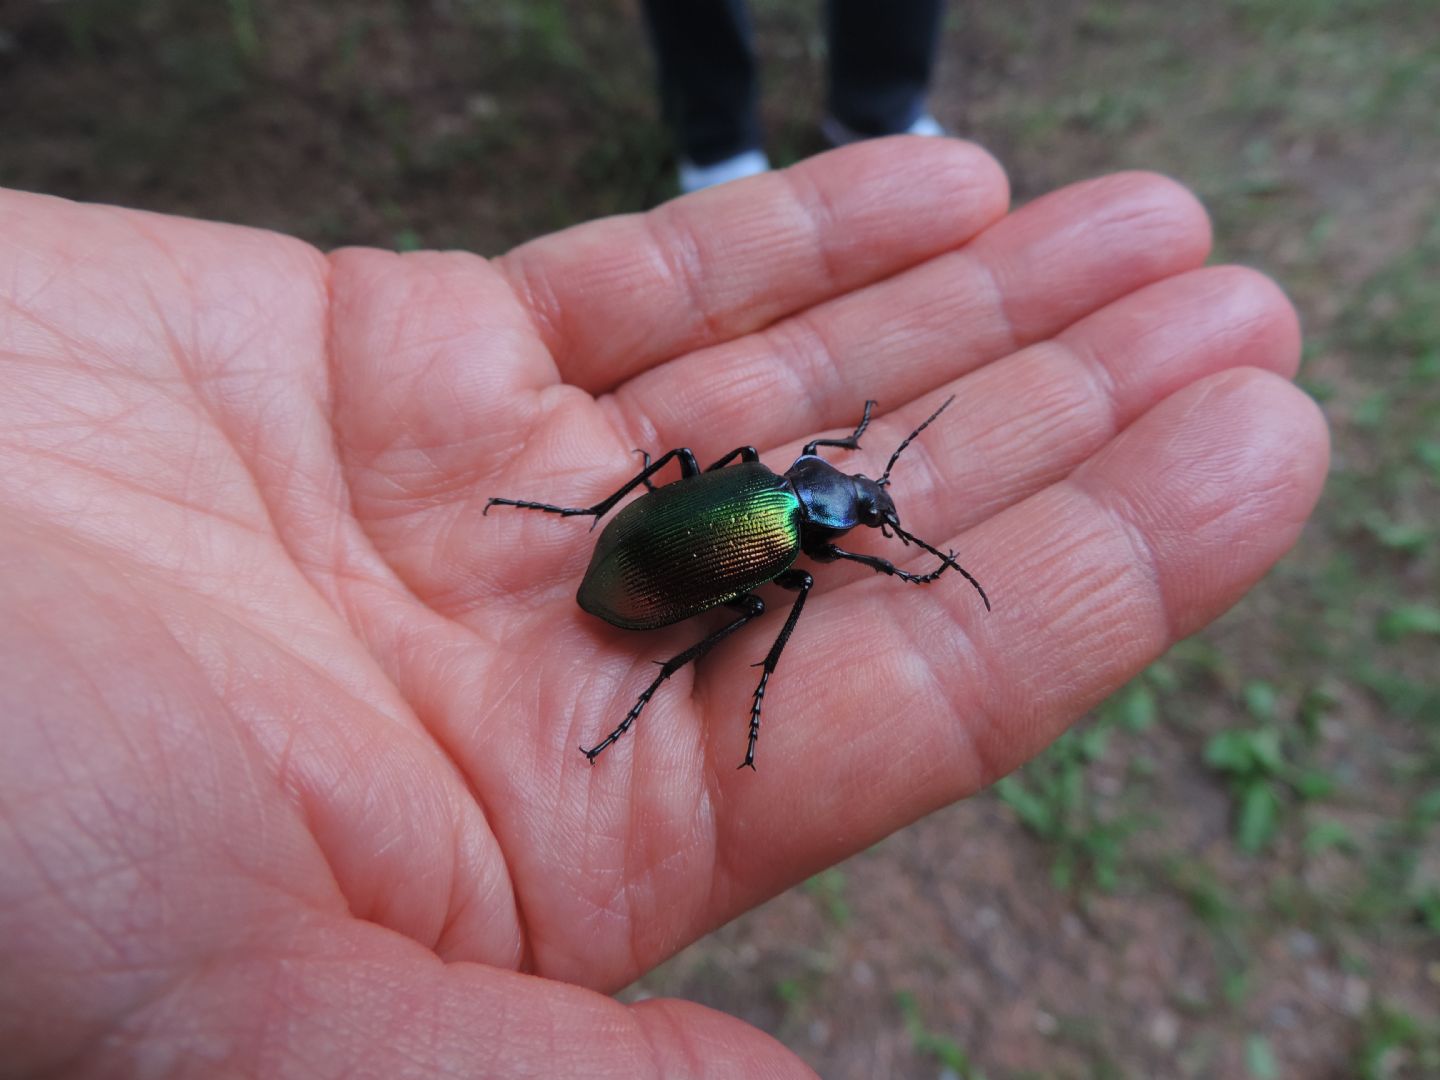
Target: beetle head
{"x":878,"y":509}
{"x":875,"y":506}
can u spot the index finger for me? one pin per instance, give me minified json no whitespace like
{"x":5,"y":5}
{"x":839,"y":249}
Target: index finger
{"x":613,"y":297}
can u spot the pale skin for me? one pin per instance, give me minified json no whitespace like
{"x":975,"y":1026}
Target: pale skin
{"x":290,"y":782}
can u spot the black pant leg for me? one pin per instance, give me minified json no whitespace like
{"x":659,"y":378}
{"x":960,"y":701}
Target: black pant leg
{"x":707,"y":75}
{"x":882,"y":53}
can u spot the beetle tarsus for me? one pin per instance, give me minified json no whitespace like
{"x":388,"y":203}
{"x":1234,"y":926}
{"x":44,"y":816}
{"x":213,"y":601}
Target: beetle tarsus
{"x":525,"y":504}
{"x":756,"y":703}
{"x":851,"y":441}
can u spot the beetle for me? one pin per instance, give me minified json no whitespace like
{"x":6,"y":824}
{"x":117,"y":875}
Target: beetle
{"x":710,"y":538}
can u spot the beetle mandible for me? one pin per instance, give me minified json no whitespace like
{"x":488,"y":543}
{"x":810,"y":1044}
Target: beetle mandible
{"x":709,"y":538}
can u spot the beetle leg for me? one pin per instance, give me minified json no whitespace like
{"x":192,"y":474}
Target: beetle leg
{"x":744,"y":453}
{"x":850,"y":442}
{"x":799,"y":581}
{"x":750,"y":607}
{"x":688,"y":467}
{"x":885,"y":566}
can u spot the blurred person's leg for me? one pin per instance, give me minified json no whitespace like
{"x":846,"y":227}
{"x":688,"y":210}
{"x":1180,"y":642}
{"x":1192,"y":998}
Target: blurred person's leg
{"x":881,"y":59}
{"x":708,"y":87}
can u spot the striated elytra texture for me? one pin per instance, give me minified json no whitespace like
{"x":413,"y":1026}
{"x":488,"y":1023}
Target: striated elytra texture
{"x":692,"y":545}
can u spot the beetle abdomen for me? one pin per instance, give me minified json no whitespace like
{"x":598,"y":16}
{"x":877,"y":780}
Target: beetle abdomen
{"x":691,"y":545}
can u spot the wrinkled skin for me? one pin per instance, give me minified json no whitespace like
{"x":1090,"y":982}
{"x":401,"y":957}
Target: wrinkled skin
{"x":290,"y":782}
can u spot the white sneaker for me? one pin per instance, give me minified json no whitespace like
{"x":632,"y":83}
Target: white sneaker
{"x":925,"y":124}
{"x":698,"y":177}
{"x":839,"y":134}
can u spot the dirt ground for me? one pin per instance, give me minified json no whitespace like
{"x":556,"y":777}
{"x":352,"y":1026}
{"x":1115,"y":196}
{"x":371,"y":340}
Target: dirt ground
{"x":1233,"y":868}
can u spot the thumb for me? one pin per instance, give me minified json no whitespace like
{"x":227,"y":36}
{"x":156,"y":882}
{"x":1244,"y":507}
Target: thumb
{"x":334,"y":996}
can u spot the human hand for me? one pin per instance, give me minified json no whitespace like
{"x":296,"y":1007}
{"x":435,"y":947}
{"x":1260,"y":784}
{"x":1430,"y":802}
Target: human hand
{"x":290,"y":781}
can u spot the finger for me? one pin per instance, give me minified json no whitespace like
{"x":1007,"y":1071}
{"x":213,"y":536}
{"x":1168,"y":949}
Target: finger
{"x":1026,"y":421}
{"x":922,"y":698}
{"x":435,"y":363}
{"x":1022,"y":280}
{"x":613,"y":297}
{"x":399,"y":1013}
{"x":437,"y":375}
{"x":311,"y":994}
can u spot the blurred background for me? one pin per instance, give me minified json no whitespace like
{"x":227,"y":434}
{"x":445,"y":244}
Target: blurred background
{"x":1231,"y":869}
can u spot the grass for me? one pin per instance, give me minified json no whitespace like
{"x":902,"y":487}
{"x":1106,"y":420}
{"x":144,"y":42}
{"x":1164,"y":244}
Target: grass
{"x":1054,"y":797}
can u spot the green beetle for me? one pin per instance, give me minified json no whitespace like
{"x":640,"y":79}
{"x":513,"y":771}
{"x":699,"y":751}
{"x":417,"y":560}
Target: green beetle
{"x":713,"y":536}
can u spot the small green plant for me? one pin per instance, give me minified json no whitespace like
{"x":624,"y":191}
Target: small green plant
{"x":828,"y":890}
{"x":1409,"y":619}
{"x":1231,"y":926}
{"x":1393,"y":889}
{"x":1052,"y":798}
{"x":1252,"y":761}
{"x":1427,"y":909}
{"x":1393,"y":1043}
{"x":942,"y":1048}
{"x":1261,"y":774}
{"x":805,"y":982}
{"x":1260,"y":1058}
{"x":1329,"y":836}
{"x":791,"y":991}
{"x":1054,"y":795}
{"x":244,"y":29}
{"x":1136,"y":707}
{"x":1405,"y":537}
{"x":408,"y":240}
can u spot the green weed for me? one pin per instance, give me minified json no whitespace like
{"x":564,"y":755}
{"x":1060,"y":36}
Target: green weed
{"x":1407,"y":619}
{"x":244,"y":28}
{"x":1390,"y":891}
{"x":828,"y":890}
{"x":1054,"y":796}
{"x":1262,"y":775}
{"x":408,"y":240}
{"x":940,"y":1047}
{"x":1260,"y":1058}
{"x":1394,"y":1043}
{"x":1329,"y":836}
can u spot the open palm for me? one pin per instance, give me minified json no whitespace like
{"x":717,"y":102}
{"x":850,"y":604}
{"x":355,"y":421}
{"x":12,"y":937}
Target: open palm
{"x":287,"y":722}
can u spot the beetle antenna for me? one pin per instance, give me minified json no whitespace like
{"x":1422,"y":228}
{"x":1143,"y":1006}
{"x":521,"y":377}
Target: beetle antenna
{"x":947,"y":560}
{"x":885,"y":477}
